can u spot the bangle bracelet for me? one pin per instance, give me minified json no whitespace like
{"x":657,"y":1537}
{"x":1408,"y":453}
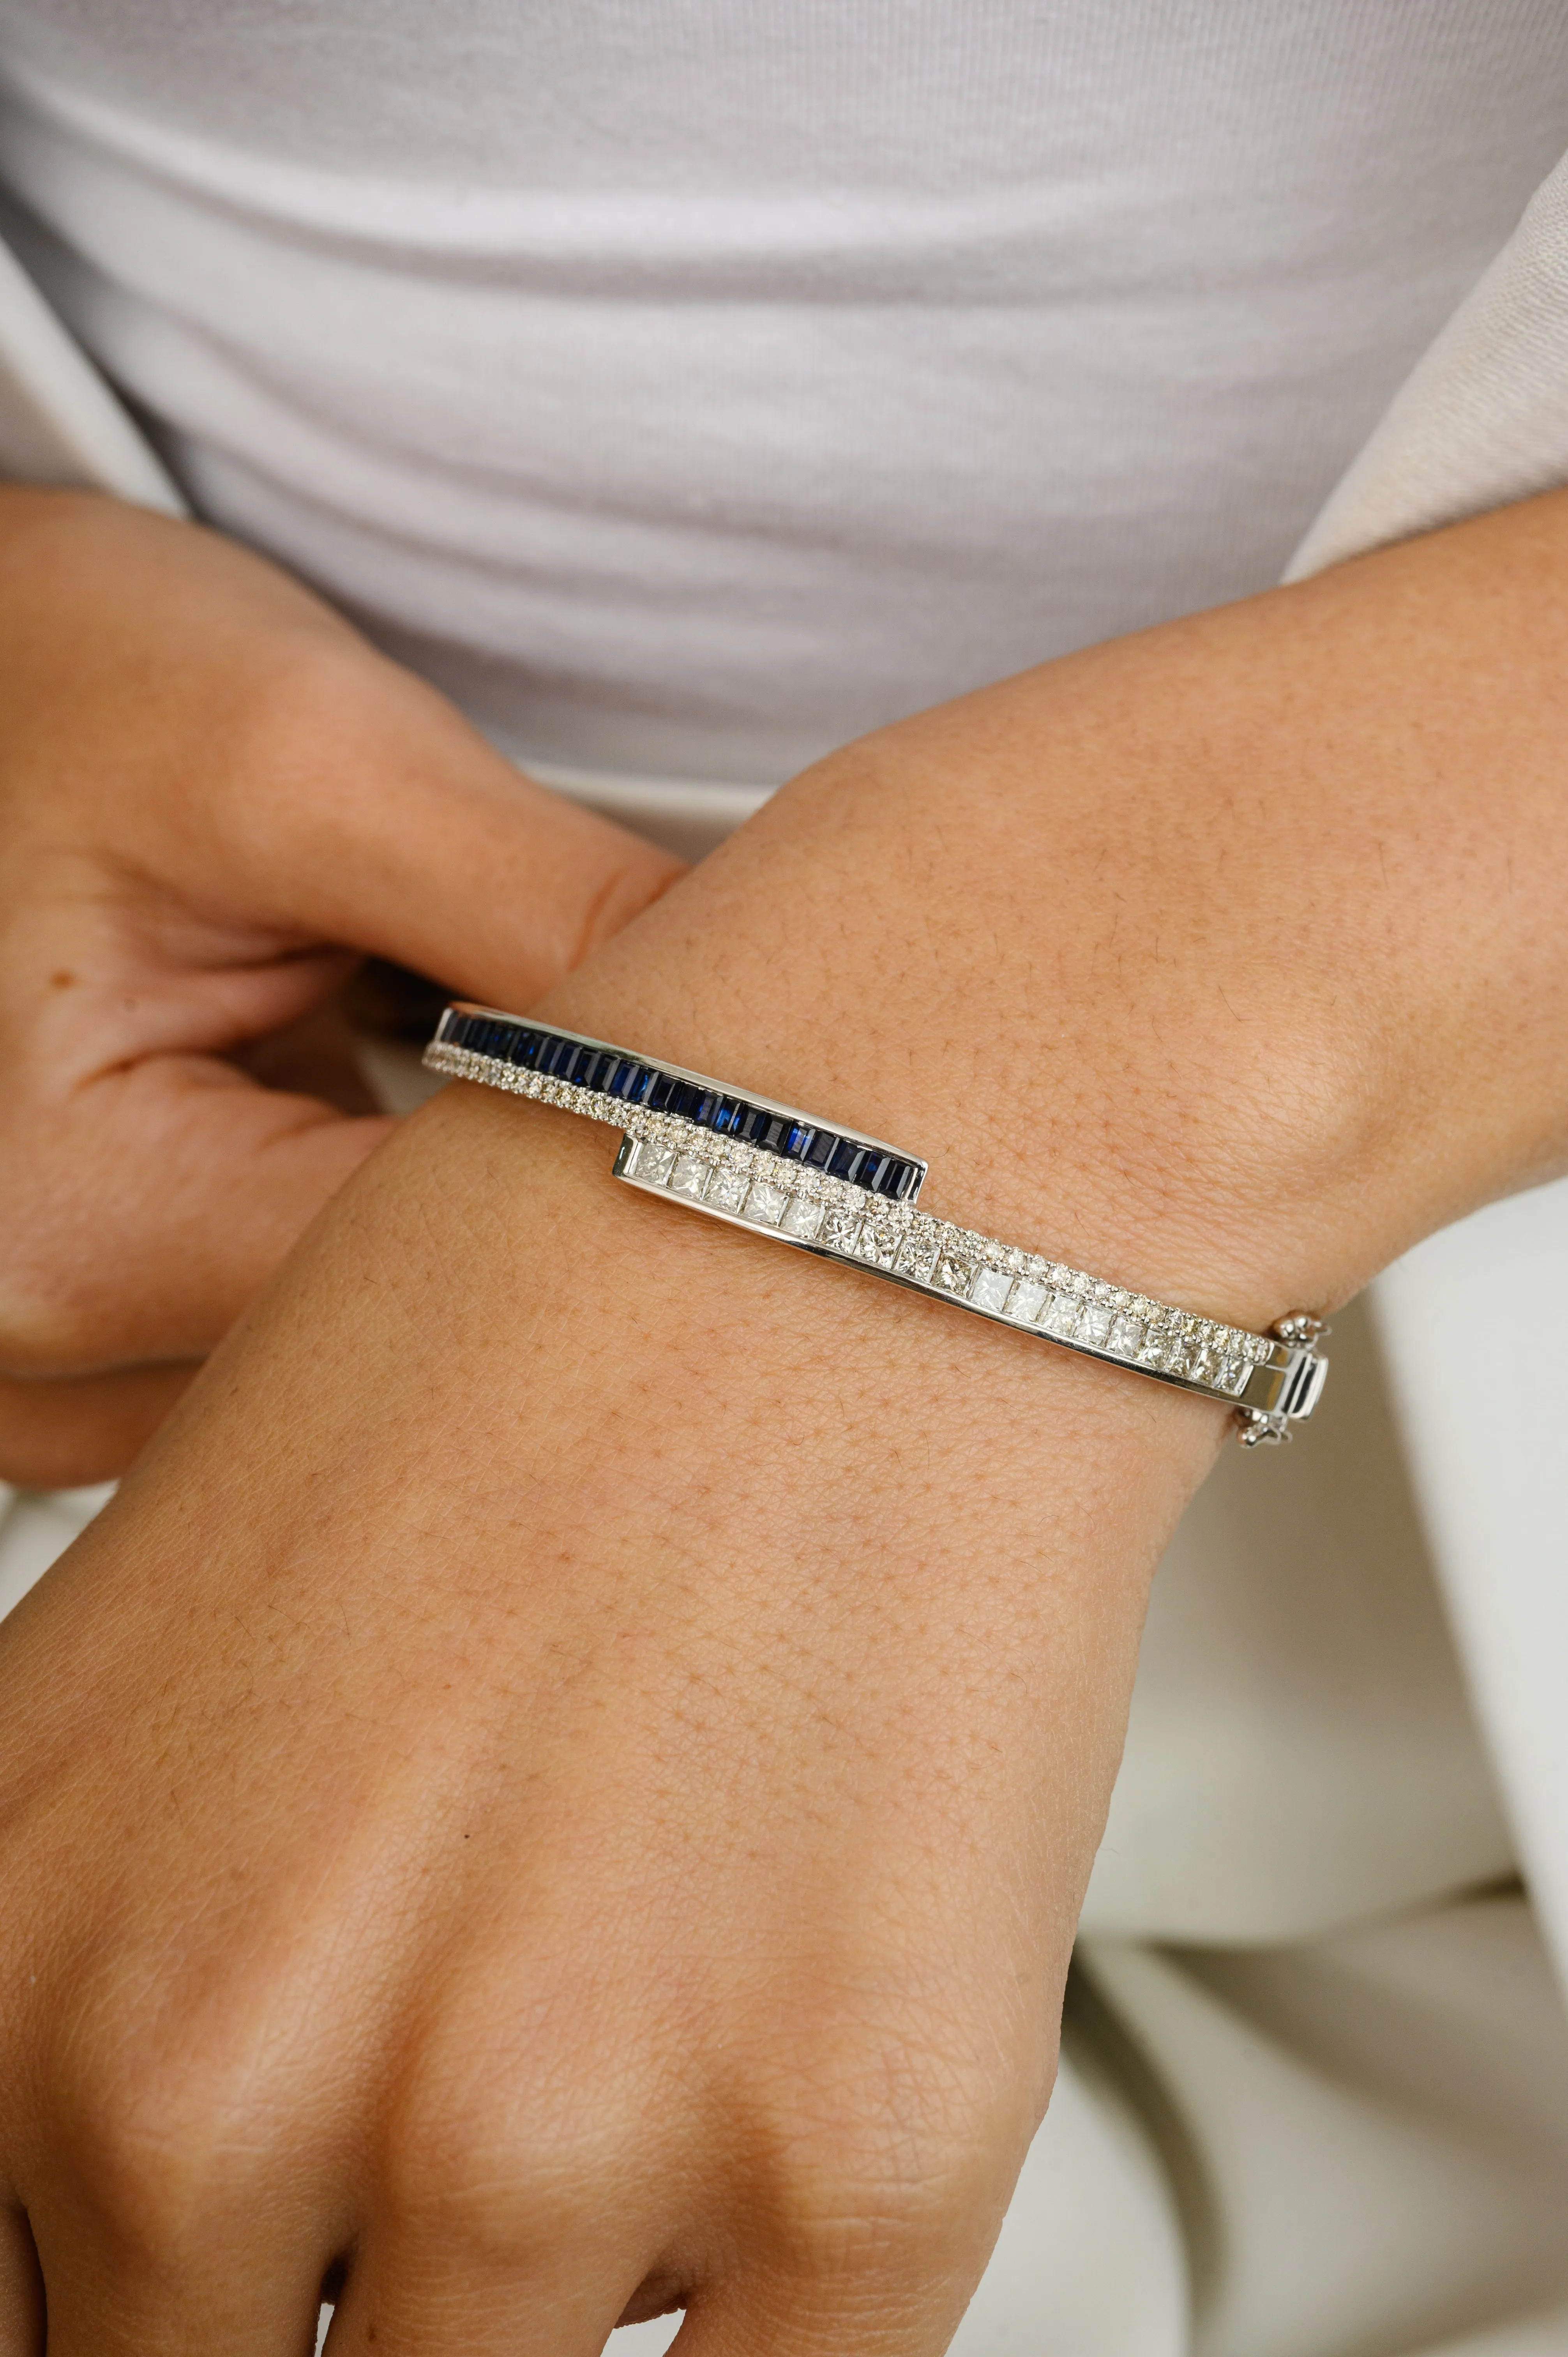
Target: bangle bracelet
{"x":847,"y":1197}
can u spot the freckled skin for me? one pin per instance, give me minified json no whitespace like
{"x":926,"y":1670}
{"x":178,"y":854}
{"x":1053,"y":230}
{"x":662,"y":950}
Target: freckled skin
{"x":212,"y":794}
{"x":580,"y":1742}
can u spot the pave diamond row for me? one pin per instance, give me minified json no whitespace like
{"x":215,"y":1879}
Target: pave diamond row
{"x":831,"y":1216}
{"x":1023,"y":1288}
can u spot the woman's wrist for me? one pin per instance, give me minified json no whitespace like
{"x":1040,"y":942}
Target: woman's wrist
{"x":1223,"y":961}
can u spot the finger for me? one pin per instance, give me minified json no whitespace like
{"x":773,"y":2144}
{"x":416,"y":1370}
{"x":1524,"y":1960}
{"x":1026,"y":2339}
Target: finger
{"x":110,"y":2298}
{"x":319,"y":1055}
{"x":439,"y":853}
{"x":855,"y":2314}
{"x":65,"y":1434}
{"x":21,"y":2287}
{"x":437,"y":2295}
{"x":175,"y":1190}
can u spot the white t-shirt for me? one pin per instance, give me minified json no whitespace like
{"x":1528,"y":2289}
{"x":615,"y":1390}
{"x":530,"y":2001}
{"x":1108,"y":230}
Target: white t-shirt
{"x":689,"y":389}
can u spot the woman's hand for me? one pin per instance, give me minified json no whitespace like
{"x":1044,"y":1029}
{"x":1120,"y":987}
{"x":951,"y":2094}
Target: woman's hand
{"x":559,"y":1786}
{"x":563,"y":1779}
{"x":212,"y":794}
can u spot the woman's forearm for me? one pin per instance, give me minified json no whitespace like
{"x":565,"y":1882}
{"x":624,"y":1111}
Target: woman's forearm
{"x":634,"y":1710}
{"x":1227,"y":959}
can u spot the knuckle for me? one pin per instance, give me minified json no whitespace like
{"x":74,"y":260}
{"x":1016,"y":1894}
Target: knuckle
{"x":886,"y":2151}
{"x":143,"y":2160}
{"x":156,"y":2140}
{"x":457,"y":2167}
{"x":507,"y":2138}
{"x":46,"y":1324}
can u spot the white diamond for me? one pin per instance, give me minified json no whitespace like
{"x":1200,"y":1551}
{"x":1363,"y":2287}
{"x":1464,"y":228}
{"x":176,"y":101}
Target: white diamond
{"x":765,"y":1203}
{"x":1126,"y":1336}
{"x":918,"y":1257}
{"x":690,"y":1177}
{"x":953,"y":1275}
{"x":878,"y":1245}
{"x":990,"y":1288}
{"x":655,"y":1163}
{"x":1061,"y":1314}
{"x":803,"y":1219}
{"x":1094,"y":1324}
{"x":841,"y":1227}
{"x":1026,"y":1299}
{"x":1233,"y":1374}
{"x":729,"y":1189}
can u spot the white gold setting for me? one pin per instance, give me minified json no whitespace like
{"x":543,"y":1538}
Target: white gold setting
{"x":1272,"y":1381}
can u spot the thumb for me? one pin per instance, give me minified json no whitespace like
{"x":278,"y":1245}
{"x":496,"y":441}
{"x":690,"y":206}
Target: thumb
{"x":396,"y":829}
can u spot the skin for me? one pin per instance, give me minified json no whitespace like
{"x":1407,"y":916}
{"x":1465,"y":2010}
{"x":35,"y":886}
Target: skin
{"x":213,"y":792}
{"x":565,"y":1780}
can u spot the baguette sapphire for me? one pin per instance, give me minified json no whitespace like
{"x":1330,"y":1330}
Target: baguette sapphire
{"x":606,"y":1073}
{"x":848,"y":1160}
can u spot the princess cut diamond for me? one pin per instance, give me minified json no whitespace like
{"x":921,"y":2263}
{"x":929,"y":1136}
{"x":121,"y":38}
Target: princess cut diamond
{"x":804,"y":1218}
{"x":990,"y":1288}
{"x":919,"y":1256}
{"x":1027,"y":1300}
{"x":1126,"y":1335}
{"x":765,"y":1203}
{"x":842,"y":1226}
{"x":1094,"y":1322}
{"x":690,"y":1177}
{"x":728,"y":1189}
{"x":1061,"y":1314}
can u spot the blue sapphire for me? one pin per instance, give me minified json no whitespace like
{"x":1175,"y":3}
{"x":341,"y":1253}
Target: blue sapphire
{"x":797,"y":1139}
{"x":555,"y":1056}
{"x":593,"y":1067}
{"x":908,"y":1179}
{"x":525,"y":1047}
{"x":627,"y":1079}
{"x":873,"y":1171}
{"x":727,"y":1115}
{"x":849,"y":1160}
{"x":659,"y":1094}
{"x":819,"y":1151}
{"x":684,"y":1098}
{"x":581,"y":1065}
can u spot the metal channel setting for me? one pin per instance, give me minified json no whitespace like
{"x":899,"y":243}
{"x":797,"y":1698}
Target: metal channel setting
{"x":830,"y":1150}
{"x":844,"y":1197}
